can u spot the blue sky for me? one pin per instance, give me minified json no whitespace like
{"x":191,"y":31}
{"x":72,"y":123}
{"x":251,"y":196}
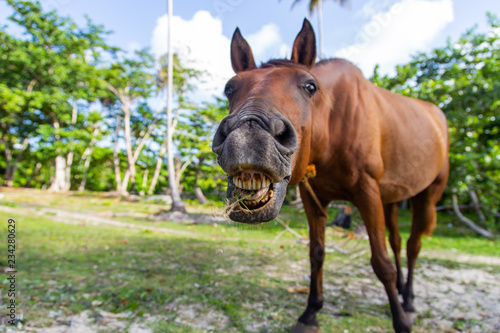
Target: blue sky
{"x":367,"y":32}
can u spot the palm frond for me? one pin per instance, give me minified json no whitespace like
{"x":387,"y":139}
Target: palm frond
{"x":313,"y":4}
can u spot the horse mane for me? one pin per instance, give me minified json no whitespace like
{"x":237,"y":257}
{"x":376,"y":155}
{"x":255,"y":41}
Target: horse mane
{"x":281,"y":63}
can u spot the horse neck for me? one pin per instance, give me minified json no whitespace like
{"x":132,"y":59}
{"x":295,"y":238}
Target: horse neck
{"x":338,"y":117}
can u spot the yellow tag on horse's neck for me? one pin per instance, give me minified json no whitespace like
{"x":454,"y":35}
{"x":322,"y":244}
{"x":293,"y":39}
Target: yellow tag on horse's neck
{"x":310,"y":171}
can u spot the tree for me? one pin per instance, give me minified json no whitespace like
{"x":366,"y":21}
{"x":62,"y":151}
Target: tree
{"x":51,"y":71}
{"x":198,"y":133}
{"x":463,"y":79}
{"x":131,"y":83}
{"x":182,"y":75}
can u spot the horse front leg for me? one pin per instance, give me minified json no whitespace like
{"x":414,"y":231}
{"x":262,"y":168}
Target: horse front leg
{"x":307,"y":322}
{"x":369,"y":203}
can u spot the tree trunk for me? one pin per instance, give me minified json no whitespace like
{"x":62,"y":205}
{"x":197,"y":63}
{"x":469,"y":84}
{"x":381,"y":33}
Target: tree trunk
{"x":145,"y":180}
{"x":116,"y":157}
{"x":126,"y":178}
{"x":128,"y":143}
{"x":87,"y":157}
{"x":86,"y":167}
{"x":159,"y":162}
{"x":8,"y":160}
{"x":466,"y":221}
{"x":197,"y":190}
{"x":11,"y":165}
{"x":179,"y":170}
{"x":59,"y":182}
{"x":62,"y":178}
{"x":69,"y":163}
{"x":199,"y":195}
{"x":177,"y":205}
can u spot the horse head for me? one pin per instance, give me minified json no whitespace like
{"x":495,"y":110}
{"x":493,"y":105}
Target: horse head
{"x":263,"y":144}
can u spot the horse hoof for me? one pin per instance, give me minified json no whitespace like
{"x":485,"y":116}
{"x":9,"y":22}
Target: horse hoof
{"x":402,"y":327}
{"x":408,"y":307}
{"x":303,"y":328}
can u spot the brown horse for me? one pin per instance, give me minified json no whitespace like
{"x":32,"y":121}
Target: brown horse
{"x":369,"y":146}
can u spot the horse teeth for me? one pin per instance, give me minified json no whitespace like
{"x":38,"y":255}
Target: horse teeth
{"x":266,"y":182}
{"x":251,"y":183}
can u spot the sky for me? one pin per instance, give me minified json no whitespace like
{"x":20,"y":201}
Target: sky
{"x":366,"y":32}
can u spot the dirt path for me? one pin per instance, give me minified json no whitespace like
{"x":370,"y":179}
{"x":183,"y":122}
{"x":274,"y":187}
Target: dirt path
{"x":62,"y":216}
{"x":458,"y":299}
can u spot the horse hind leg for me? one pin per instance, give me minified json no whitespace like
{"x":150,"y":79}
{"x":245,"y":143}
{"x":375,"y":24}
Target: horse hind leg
{"x":391,"y":222}
{"x":424,"y":222}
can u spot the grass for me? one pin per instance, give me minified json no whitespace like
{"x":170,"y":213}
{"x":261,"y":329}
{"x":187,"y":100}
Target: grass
{"x":231,"y":270}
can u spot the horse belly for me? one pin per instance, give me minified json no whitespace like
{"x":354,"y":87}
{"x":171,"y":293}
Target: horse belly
{"x":410,"y":166}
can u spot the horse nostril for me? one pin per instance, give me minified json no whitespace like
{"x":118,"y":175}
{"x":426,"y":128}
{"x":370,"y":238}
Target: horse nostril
{"x":219,"y":138}
{"x":284,"y":133}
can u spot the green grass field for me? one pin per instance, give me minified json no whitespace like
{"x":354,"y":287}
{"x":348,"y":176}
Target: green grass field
{"x":181,"y":277}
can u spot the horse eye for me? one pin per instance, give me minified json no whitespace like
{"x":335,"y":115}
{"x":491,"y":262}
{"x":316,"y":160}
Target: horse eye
{"x":228,"y":91}
{"x":310,"y":88}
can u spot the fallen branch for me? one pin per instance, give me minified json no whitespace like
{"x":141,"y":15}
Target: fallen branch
{"x":466,"y":221}
{"x":445,"y":207}
{"x":299,"y":236}
{"x":477,"y":206}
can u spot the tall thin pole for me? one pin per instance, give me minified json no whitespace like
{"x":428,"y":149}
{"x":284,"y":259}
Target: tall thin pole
{"x":320,"y":24}
{"x":170,"y":72}
{"x":174,"y":192}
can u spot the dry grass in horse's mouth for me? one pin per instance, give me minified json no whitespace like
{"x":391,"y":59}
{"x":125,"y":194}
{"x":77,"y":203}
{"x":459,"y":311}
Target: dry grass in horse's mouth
{"x":251,"y":200}
{"x":258,"y":199}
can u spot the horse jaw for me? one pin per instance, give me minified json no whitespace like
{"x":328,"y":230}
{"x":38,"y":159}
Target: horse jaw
{"x":239,"y":211}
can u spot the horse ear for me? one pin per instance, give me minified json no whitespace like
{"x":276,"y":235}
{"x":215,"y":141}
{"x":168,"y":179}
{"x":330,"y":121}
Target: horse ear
{"x":304,"y":47}
{"x":241,"y":53}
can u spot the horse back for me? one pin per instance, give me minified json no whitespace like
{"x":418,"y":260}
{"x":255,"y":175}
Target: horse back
{"x":400,"y":141}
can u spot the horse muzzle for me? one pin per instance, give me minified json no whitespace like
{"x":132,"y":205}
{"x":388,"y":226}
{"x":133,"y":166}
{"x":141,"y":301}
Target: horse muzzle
{"x":255,"y":150}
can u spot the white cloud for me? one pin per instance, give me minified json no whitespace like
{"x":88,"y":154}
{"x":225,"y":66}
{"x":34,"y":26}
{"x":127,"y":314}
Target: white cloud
{"x":390,"y":37}
{"x":267,"y":43}
{"x":201,"y":45}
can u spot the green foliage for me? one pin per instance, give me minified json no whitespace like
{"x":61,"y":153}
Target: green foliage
{"x":196,"y":135}
{"x":463,"y":79}
{"x":49,"y":81}
{"x":64,"y":92}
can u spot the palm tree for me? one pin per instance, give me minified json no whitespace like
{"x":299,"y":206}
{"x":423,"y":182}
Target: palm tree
{"x":317,"y":4}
